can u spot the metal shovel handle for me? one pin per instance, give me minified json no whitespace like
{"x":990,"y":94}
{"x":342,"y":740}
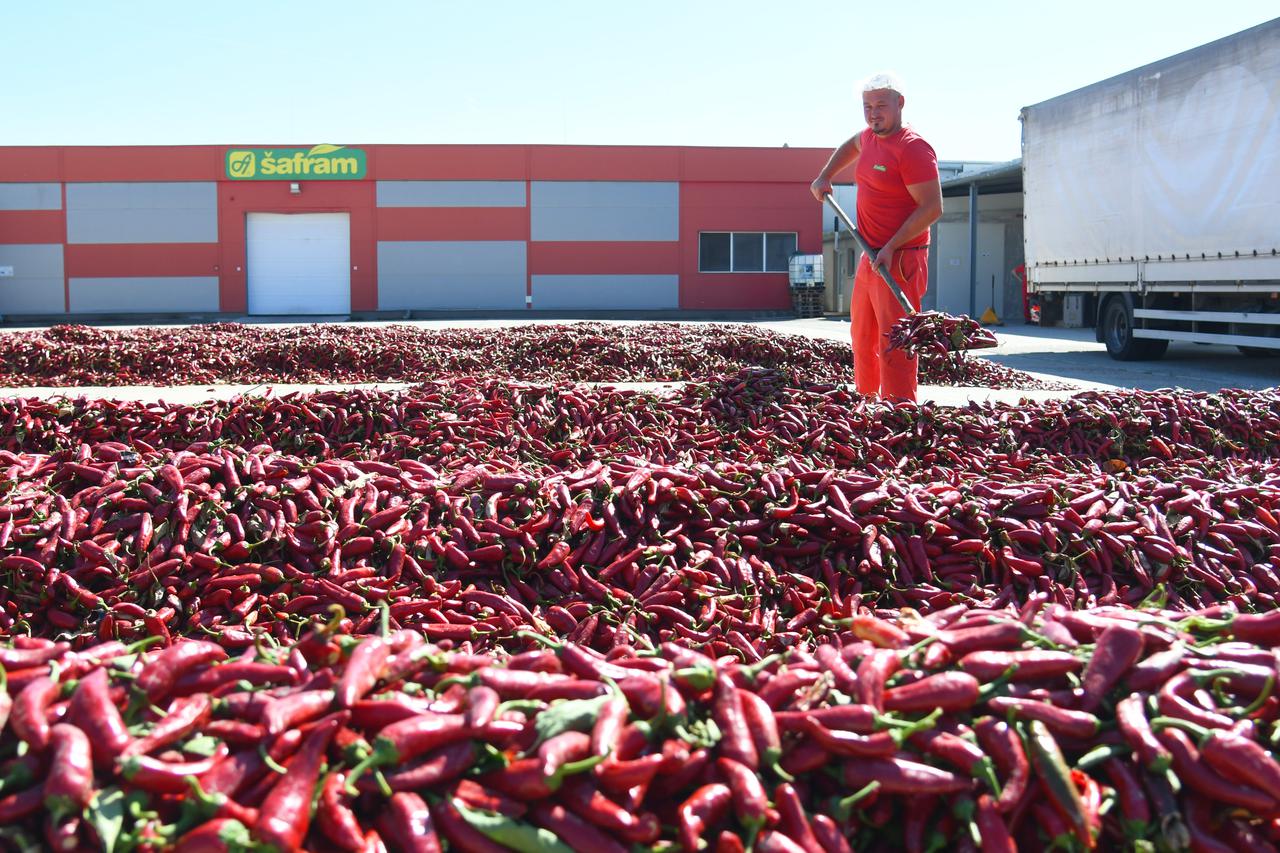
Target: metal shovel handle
{"x":894,"y":287}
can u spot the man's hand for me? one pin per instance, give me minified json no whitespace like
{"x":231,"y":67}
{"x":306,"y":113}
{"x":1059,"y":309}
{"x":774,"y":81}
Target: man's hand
{"x":821,"y":187}
{"x":883,"y":259}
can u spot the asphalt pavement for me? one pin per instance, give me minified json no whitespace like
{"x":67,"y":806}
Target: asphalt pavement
{"x":1072,"y":355}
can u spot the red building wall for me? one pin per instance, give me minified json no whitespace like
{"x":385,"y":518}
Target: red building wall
{"x":720,"y":189}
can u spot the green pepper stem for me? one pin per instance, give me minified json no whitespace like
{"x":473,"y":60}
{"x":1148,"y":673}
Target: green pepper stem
{"x":844,"y":807}
{"x":1200,"y":733}
{"x":541,"y":639}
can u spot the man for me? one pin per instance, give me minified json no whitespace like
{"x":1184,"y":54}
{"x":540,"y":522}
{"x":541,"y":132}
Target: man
{"x":899,"y":197}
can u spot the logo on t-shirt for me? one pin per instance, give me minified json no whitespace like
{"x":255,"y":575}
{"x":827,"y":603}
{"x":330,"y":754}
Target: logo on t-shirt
{"x":880,"y":168}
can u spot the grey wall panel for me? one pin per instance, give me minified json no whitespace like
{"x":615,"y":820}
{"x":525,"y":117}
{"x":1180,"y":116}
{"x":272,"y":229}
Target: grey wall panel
{"x":448,"y":274}
{"x":171,"y":212}
{"x":451,"y":194}
{"x":144,"y":295}
{"x":606,"y":291}
{"x":605,"y":210}
{"x":31,"y":196}
{"x":36,"y":286}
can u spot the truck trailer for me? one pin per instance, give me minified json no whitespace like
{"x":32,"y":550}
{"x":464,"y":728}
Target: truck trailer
{"x":1152,"y":201}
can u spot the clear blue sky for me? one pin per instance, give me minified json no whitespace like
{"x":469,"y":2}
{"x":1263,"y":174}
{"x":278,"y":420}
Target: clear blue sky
{"x":652,"y":72}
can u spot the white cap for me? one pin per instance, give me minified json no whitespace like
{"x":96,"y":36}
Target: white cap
{"x":884,"y":80}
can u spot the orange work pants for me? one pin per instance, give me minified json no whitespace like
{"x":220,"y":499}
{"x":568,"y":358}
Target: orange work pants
{"x":872,"y":312}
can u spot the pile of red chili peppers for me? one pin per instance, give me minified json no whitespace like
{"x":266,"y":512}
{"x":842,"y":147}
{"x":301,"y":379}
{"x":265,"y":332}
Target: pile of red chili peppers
{"x":580,"y":352}
{"x":939,"y":333}
{"x":756,"y":612}
{"x":967,"y":728}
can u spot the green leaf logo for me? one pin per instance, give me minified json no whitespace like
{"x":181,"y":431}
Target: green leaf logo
{"x":323,"y":149}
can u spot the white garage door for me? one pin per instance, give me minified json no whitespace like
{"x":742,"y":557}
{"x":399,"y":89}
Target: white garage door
{"x":953,"y":267}
{"x":299,"y":263}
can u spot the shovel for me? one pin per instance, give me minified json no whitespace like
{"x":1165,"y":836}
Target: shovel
{"x":931,"y":330}
{"x":894,"y":287}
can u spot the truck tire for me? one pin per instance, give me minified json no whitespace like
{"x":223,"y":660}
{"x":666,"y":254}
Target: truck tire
{"x":1117,"y":334}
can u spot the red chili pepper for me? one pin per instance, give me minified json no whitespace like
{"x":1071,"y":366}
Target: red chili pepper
{"x":557,"y":751}
{"x":999,"y":635}
{"x":763,"y":725}
{"x":220,"y":835}
{"x":701,"y":811}
{"x":1032,"y":665}
{"x":234,"y":732}
{"x":15,"y":658}
{"x":286,"y":813}
{"x":607,"y":731}
{"x":186,"y":715}
{"x":793,"y":820}
{"x":30,"y":709}
{"x":407,"y":739}
{"x":1242,"y":760}
{"x":1134,"y":808}
{"x":515,"y":683}
{"x":883,"y":634}
{"x":336,"y":819}
{"x":454,"y":827}
{"x":209,"y":679}
{"x":288,"y":711}
{"x":1064,"y":721}
{"x":591,"y":805}
{"x":478,"y":796}
{"x":482,"y":703}
{"x":729,"y":842}
{"x":573,"y":830}
{"x":406,"y":822}
{"x":829,"y":834}
{"x":873,"y":672}
{"x":995,"y":834}
{"x":851,"y":744}
{"x":771,"y":841}
{"x":523,"y":780}
{"x":619,"y":776}
{"x":69,"y":785}
{"x":1174,"y":702}
{"x":1117,"y":650}
{"x":93,"y":712}
{"x":736,"y":741}
{"x":1200,"y":777}
{"x":750,"y":801}
{"x":363,"y":670}
{"x":1091,"y":798}
{"x":377,"y":714}
{"x":435,"y":767}
{"x":158,"y":676}
{"x":1131,"y":719}
{"x":165,"y":777}
{"x":901,"y":776}
{"x":950,"y":691}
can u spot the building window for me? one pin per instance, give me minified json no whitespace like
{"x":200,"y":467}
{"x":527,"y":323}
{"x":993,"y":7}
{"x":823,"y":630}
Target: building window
{"x":745,"y":251}
{"x":715,"y":252}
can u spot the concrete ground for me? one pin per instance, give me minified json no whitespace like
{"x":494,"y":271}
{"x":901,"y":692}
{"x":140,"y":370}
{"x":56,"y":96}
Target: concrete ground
{"x":1061,"y":355}
{"x":1072,"y":355}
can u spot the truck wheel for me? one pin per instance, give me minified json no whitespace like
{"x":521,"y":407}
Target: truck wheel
{"x":1117,"y":333}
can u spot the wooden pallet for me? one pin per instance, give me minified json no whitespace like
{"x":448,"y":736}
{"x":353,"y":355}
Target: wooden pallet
{"x":809,"y":302}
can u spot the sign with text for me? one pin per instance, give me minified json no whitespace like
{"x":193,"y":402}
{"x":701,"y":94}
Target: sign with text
{"x":321,"y":163}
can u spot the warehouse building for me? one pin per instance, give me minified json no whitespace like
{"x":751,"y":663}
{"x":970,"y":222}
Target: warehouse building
{"x":233,"y":231}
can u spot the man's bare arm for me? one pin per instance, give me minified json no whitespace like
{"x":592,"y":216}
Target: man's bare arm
{"x":842,"y":158}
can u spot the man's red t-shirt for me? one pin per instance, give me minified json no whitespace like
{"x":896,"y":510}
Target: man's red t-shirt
{"x":886,"y":165}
